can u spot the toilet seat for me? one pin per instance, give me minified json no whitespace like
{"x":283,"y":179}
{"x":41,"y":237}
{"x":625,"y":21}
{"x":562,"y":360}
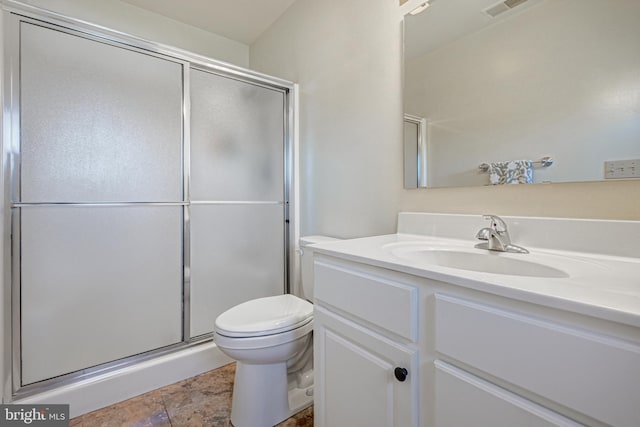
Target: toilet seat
{"x":265,"y":316}
{"x":264,"y":341}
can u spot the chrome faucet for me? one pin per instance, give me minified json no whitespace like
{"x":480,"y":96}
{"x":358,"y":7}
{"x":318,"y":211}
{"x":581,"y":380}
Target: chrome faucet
{"x":497,"y":237}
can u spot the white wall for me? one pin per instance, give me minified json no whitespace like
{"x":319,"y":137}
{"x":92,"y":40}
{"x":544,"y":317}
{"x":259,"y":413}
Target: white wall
{"x":120,"y":16}
{"x":560,"y":80}
{"x":346,"y":56}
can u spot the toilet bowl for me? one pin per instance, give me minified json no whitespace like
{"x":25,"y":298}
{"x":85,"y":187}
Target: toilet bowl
{"x":271,"y":340}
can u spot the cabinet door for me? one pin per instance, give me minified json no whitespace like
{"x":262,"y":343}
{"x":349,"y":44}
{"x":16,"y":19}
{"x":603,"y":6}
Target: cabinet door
{"x":562,"y":362}
{"x":465,"y":400}
{"x":355,"y":381}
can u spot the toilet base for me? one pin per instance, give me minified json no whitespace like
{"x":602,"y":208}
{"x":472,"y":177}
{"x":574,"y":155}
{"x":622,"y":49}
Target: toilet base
{"x":262,"y":398}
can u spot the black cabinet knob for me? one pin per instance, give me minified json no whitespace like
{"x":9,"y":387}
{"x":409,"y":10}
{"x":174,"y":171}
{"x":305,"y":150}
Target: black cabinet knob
{"x":400,"y":373}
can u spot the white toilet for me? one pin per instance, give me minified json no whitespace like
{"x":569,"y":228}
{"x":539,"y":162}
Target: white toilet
{"x":270,"y":338}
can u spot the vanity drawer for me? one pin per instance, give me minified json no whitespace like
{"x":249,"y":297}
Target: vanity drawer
{"x":463,"y":399}
{"x":387,"y":304}
{"x":593,"y":374}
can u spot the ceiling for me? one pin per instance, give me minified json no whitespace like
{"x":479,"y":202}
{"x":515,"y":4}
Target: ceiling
{"x":240,"y":20}
{"x":448,"y":20}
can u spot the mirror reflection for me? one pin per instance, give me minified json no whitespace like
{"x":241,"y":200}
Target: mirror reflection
{"x":502,"y":86}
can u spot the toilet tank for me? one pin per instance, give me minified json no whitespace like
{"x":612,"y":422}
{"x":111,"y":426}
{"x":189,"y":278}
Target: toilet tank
{"x":306,"y":263}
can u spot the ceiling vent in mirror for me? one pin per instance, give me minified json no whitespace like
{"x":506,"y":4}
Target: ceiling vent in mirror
{"x":503,"y":6}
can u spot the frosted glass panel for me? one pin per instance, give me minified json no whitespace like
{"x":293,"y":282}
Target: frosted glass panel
{"x":99,"y":123}
{"x":237,"y":140}
{"x":237,"y":254}
{"x":98,"y":284}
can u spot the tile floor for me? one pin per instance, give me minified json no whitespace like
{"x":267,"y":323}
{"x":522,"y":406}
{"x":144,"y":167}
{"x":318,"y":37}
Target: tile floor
{"x":204,"y":400}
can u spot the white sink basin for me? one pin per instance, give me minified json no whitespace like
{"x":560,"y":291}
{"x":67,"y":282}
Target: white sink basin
{"x":477,"y":260}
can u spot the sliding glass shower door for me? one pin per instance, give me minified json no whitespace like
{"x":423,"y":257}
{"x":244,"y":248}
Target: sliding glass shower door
{"x":237,"y":192}
{"x":148,"y":194}
{"x":100,"y":152}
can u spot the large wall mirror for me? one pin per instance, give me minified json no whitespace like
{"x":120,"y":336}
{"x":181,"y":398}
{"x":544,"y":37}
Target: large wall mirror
{"x":508,"y":84}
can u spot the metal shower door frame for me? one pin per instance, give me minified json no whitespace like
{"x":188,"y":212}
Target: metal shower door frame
{"x":14,"y":12}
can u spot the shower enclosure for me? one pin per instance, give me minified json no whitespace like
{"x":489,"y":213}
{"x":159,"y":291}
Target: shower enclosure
{"x":146,"y":191}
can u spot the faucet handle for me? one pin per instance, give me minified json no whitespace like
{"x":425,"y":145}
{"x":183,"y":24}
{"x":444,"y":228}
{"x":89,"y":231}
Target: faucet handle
{"x":497,"y":223}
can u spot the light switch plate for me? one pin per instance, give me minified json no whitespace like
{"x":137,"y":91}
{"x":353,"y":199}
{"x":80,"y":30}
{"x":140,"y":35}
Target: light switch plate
{"x":617,"y":169}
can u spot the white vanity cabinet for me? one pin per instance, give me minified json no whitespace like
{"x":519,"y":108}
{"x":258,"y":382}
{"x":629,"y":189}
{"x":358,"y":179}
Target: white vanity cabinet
{"x":578,"y":368}
{"x":365,"y":356}
{"x":472,"y":358}
{"x":463,"y":399}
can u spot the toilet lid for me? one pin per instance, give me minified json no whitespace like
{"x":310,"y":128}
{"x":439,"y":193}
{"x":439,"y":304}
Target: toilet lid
{"x":264,"y":316}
